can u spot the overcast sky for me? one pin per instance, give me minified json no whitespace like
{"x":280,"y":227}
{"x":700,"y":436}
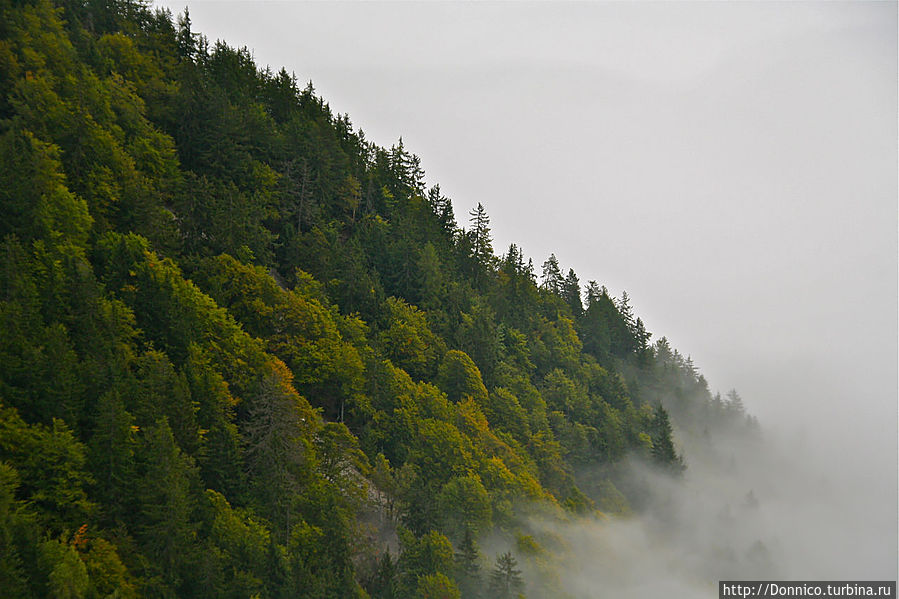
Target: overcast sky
{"x":733,"y":166}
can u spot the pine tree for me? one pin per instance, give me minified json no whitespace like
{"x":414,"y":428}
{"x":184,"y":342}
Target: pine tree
{"x":571,"y":293}
{"x":480,"y":223}
{"x":594,"y":292}
{"x":468,"y":567}
{"x":734,"y":403}
{"x":627,"y":312}
{"x":275,"y":451}
{"x":552,"y":275}
{"x":663,"y":451}
{"x":187,"y":40}
{"x":383,"y":584}
{"x":12,"y":520}
{"x":662,"y":351}
{"x":641,"y":336}
{"x":513,"y":261}
{"x":167,"y":502}
{"x":505,"y":579}
{"x":112,"y":456}
{"x":408,"y":175}
{"x":442,"y":207}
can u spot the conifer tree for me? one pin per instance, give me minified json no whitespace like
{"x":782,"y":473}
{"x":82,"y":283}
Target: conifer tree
{"x":571,"y":293}
{"x":442,"y":207}
{"x":552,"y":275}
{"x":165,"y":522}
{"x":734,"y":403}
{"x":275,"y":448}
{"x":593,"y":293}
{"x":641,"y":336}
{"x":663,"y":451}
{"x":480,"y":229}
{"x":505,"y":579}
{"x":468,"y":567}
{"x":383,"y":584}
{"x":112,"y":456}
{"x":627,"y":312}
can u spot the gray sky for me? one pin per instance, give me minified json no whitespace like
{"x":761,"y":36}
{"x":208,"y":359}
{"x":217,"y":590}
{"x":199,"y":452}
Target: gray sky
{"x":733,"y":166}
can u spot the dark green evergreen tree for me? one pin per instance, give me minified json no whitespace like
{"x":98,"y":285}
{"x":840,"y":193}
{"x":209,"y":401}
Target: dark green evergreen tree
{"x":165,"y":521}
{"x":663,"y":451}
{"x":571,"y":293}
{"x":383,"y":583}
{"x":442,"y":207}
{"x":505,"y":579}
{"x":552,"y":275}
{"x":468,"y":568}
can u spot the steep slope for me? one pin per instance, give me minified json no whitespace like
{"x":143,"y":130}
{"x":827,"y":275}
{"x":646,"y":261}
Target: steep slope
{"x":177,"y":421}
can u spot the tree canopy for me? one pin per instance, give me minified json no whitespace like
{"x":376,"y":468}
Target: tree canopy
{"x":241,"y":345}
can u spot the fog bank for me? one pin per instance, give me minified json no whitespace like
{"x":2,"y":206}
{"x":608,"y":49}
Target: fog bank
{"x":778,"y":508}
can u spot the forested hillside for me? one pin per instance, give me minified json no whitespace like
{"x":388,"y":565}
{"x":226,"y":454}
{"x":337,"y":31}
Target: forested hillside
{"x":244,"y":352}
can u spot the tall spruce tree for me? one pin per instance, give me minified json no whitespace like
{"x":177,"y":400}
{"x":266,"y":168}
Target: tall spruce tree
{"x":571,"y":293}
{"x":480,"y":229}
{"x":505,"y":579}
{"x":552,"y":275}
{"x":468,"y":567}
{"x":663,"y":451}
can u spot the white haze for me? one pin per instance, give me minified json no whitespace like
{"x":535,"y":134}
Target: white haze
{"x":732,"y":165}
{"x":769,"y":511}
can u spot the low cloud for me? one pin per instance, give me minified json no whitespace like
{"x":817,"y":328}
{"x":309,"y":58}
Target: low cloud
{"x":772,"y":508}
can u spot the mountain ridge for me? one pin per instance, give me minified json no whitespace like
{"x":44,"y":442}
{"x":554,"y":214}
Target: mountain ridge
{"x":228,"y":321}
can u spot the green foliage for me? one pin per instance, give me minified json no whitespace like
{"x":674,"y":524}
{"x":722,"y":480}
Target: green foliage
{"x":13,"y":519}
{"x":106,"y":571}
{"x":468,"y":567}
{"x":437,"y":586}
{"x":440,"y":450}
{"x":465,"y":506}
{"x":383,"y":584}
{"x":112,"y":451}
{"x":233,"y":332}
{"x":164,"y":522}
{"x":51,"y":463}
{"x":36,"y":201}
{"x":408,"y":341}
{"x":66,"y":573}
{"x":427,"y":555}
{"x":277,"y":439}
{"x":297,"y":327}
{"x":479,"y":336}
{"x":611,"y":500}
{"x":237,"y":549}
{"x":218,"y":457}
{"x":458,"y":377}
{"x":663,"y":450}
{"x":505,"y":578}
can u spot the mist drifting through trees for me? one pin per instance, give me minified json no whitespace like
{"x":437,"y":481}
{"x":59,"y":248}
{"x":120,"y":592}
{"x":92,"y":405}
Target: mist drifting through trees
{"x":246,"y":351}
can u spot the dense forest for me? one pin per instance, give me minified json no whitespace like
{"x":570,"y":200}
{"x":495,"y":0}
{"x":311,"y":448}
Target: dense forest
{"x":245,"y":352}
